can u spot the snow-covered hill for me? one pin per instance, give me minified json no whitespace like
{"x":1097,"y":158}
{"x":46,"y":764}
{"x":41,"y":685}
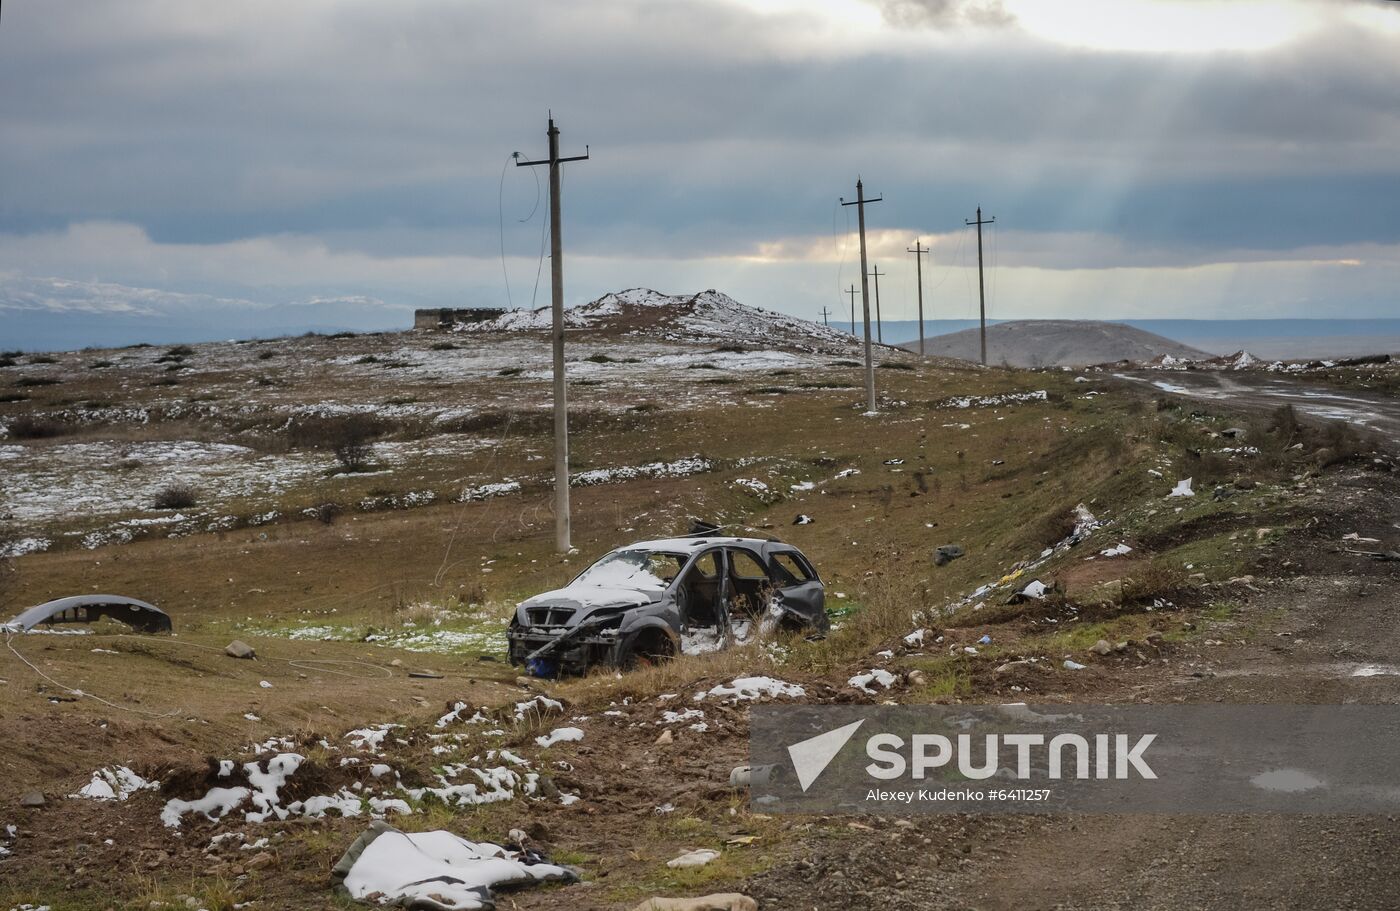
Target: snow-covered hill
{"x":708,"y":316}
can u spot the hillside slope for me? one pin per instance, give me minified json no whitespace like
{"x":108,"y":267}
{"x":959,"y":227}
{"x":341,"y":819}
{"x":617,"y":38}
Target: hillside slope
{"x":709,"y":316}
{"x":1056,"y":343}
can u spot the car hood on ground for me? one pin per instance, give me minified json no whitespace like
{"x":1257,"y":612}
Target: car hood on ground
{"x":590,"y":597}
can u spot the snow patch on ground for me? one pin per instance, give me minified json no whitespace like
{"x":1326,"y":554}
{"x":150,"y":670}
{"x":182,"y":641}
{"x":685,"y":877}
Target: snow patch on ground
{"x":876,"y":676}
{"x":744,"y":689}
{"x":560,"y":735}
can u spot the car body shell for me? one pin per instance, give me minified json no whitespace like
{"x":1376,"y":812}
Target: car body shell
{"x":761,"y":584}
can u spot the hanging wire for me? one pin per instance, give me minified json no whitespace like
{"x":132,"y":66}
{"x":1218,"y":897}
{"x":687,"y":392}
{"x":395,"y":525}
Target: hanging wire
{"x":539,"y":266}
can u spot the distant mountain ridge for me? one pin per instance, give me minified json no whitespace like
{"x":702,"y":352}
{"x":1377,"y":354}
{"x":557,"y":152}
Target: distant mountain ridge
{"x":1274,"y":339}
{"x":1056,"y":343}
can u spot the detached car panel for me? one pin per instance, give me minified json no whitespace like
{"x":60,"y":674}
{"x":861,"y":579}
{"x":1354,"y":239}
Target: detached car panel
{"x":656,"y":599}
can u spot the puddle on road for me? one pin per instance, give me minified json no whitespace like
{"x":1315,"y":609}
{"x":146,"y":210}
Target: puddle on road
{"x":1287,"y":781}
{"x":1321,"y":671}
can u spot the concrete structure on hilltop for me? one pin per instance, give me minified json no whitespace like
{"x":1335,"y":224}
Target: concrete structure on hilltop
{"x":447,"y":317}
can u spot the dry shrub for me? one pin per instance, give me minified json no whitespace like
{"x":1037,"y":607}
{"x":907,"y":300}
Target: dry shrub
{"x":28,"y":427}
{"x":1157,"y":579}
{"x":1054,"y":526}
{"x":176,"y":496}
{"x":349,"y":436}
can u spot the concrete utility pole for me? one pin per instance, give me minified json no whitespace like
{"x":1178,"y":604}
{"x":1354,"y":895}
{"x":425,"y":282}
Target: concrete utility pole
{"x":825,"y":314}
{"x":562,"y":519}
{"x":981,"y":288}
{"x":852,"y":292}
{"x":859,"y":203}
{"x":879,"y":323}
{"x":919,"y":252}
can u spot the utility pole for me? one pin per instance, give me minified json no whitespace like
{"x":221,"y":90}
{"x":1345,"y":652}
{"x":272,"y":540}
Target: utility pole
{"x":825,"y":314}
{"x":859,"y":203}
{"x":852,"y":292}
{"x":919,"y":252}
{"x":981,"y":288}
{"x":879,"y":323}
{"x":562,"y":519}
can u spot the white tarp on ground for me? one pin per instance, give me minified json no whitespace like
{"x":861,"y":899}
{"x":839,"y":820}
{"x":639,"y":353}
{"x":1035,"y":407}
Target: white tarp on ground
{"x":435,"y":870}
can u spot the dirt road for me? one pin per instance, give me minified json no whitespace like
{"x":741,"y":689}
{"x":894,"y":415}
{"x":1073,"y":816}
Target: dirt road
{"x":1262,"y":392}
{"x":1325,"y":633}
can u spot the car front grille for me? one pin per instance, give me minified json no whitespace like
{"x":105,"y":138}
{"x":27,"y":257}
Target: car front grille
{"x":550,"y":616}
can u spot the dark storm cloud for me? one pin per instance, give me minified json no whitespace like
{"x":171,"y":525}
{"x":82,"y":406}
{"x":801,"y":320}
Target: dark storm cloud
{"x":713,"y":129}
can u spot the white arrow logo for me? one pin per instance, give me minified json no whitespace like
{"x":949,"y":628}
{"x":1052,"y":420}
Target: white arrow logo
{"x":811,"y":757}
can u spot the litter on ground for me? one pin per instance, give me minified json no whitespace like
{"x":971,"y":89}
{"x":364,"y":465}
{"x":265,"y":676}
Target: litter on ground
{"x":435,"y":870}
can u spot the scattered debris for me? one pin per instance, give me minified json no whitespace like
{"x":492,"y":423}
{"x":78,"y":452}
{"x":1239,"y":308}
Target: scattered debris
{"x":32,"y":799}
{"x":696,"y":858}
{"x":803,"y":519}
{"x":745,"y":776}
{"x":436,"y":870}
{"x":1117,"y":550}
{"x":1182,"y":489}
{"x":1071,"y":665}
{"x":947,"y":553}
{"x":1035,"y":589}
{"x":140,"y":616}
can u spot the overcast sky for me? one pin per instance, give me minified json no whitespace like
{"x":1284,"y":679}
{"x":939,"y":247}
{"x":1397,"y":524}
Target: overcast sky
{"x":1143,"y":158}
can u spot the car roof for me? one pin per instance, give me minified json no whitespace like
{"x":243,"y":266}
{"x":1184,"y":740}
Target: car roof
{"x":690,"y":545}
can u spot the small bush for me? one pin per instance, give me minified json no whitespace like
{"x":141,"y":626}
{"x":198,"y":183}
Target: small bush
{"x":442,"y":346}
{"x":510,"y":371}
{"x":43,"y":359}
{"x":26,"y":382}
{"x":176,"y":496}
{"x":327,"y":513}
{"x":266,"y":355}
{"x":895,"y":365}
{"x":7,"y":362}
{"x":100,"y":365}
{"x":7,"y":397}
{"x":180,"y":351}
{"x":32,"y":428}
{"x":1158,"y":579}
{"x":348,"y":436}
{"x":315,"y":432}
{"x":599,"y":359}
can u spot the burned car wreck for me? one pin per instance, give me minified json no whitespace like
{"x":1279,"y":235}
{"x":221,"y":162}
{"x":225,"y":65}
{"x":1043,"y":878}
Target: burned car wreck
{"x":652,"y":600}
